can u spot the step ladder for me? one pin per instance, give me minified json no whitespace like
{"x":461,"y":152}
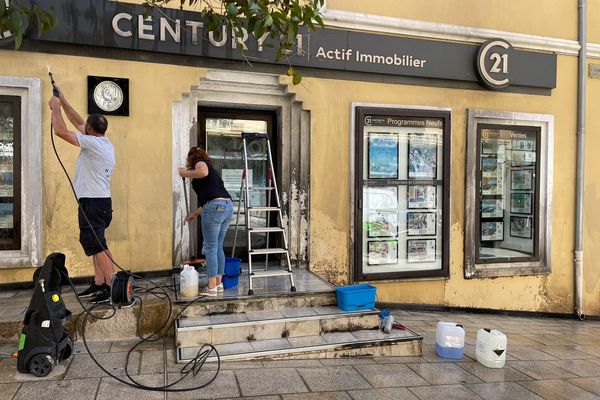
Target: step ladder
{"x":270,"y":191}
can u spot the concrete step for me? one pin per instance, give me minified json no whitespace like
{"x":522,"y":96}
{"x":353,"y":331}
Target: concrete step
{"x":267,"y":325}
{"x":259,"y":302}
{"x":327,"y":345}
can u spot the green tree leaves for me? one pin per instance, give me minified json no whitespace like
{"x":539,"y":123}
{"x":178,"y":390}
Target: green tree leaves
{"x":16,"y":17}
{"x":280,"y":20}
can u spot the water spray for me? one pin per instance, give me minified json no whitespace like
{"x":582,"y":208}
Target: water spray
{"x":55,"y":91}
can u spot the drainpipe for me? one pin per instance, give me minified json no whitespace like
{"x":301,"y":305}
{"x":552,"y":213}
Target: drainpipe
{"x":581,"y":124}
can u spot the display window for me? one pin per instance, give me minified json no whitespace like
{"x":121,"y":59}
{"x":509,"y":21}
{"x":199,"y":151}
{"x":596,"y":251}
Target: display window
{"x":508,"y":187}
{"x":401,"y":202}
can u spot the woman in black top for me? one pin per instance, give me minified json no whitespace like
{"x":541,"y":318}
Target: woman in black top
{"x":216,"y":210}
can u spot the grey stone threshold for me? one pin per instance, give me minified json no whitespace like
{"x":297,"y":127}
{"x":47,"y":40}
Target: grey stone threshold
{"x":253,"y":318}
{"x":254,"y":350}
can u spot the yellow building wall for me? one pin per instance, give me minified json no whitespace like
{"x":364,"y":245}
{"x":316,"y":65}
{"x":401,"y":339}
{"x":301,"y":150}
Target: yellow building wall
{"x":591,"y":283}
{"x":557,"y":19}
{"x":593,"y":23}
{"x":331,"y":186}
{"x":140,"y":235}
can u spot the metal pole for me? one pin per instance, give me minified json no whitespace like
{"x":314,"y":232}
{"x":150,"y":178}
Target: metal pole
{"x":268,"y":204}
{"x":237,"y":218}
{"x":581,"y":125}
{"x":187,"y":210}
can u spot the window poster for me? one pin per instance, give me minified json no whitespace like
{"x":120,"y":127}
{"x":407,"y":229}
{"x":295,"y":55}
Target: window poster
{"x":382,"y":197}
{"x":527,"y":145}
{"x":521,"y":179}
{"x":420,"y":223}
{"x":520,"y":227}
{"x":489,"y":146}
{"x":492,"y":185}
{"x":420,"y":250}
{"x":489,"y":166}
{"x":382,"y":224}
{"x":6,"y":215}
{"x":491,"y":208}
{"x":520,"y":203}
{"x":422,"y":156}
{"x":382,"y":252}
{"x":421,"y":196}
{"x":383,"y":156}
{"x":492,"y":231}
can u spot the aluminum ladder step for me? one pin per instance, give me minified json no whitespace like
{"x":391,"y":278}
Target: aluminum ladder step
{"x":254,"y":136}
{"x":263,"y":209}
{"x":264,"y":274}
{"x":265,"y":230}
{"x":274,"y":250}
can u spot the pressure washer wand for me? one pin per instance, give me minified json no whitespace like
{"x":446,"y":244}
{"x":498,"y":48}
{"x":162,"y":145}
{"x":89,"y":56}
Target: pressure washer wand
{"x":54,"y":89}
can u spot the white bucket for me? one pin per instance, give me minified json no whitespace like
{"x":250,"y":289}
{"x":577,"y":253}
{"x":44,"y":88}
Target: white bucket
{"x":449,"y":340}
{"x":188,"y":282}
{"x":490,"y":348}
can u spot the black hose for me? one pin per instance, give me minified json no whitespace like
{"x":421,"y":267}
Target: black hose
{"x":194,"y":366}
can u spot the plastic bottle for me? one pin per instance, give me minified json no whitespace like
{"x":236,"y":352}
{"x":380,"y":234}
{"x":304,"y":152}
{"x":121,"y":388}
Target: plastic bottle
{"x":188,"y":281}
{"x":450,"y":340}
{"x":490,"y":348}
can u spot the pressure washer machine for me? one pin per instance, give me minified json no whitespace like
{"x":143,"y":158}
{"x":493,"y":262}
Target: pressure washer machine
{"x":44,"y":341}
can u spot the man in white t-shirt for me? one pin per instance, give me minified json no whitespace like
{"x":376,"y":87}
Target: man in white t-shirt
{"x":95,"y":167}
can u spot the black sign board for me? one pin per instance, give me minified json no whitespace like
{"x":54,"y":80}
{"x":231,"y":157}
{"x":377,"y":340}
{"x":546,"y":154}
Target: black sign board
{"x":122,"y":25}
{"x":108,"y":96}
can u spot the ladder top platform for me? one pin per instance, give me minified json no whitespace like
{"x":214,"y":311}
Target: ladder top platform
{"x":247,"y":135}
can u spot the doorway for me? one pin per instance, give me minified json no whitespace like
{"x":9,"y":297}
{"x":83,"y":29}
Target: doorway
{"x":220,"y":133}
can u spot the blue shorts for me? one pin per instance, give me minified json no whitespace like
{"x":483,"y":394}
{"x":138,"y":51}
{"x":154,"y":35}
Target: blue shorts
{"x":91,"y":230}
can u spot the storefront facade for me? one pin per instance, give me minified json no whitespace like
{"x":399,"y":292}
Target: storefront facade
{"x":429,"y":152}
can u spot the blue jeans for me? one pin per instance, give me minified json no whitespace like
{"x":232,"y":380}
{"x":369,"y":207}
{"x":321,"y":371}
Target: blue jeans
{"x":216,"y":216}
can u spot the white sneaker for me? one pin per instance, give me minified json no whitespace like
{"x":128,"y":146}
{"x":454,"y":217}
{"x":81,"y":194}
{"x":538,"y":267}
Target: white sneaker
{"x":209,"y":292}
{"x":220,"y":288}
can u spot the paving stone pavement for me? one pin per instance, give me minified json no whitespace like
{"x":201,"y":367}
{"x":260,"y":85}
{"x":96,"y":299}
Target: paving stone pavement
{"x":547,"y":358}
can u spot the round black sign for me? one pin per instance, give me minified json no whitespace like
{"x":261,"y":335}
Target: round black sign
{"x":493,"y":63}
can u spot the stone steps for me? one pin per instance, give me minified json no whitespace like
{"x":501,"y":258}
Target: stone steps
{"x":265,"y":325}
{"x":271,"y":302}
{"x":305,"y":332}
{"x":327,"y":345}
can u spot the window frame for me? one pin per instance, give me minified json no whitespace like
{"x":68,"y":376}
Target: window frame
{"x":359,"y":111}
{"x":539,"y":263}
{"x":31,"y":199}
{"x":17,"y":133}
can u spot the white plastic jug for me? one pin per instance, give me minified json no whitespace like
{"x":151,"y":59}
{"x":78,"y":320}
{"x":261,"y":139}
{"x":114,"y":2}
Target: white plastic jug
{"x":188,"y":281}
{"x":490,"y":348}
{"x":449,"y":340}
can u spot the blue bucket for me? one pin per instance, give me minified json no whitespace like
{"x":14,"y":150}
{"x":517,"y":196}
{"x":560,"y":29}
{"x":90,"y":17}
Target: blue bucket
{"x":233,"y":270}
{"x":357,"y":297}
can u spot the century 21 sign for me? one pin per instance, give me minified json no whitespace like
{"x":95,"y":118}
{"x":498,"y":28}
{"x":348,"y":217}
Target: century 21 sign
{"x":493,"y":63}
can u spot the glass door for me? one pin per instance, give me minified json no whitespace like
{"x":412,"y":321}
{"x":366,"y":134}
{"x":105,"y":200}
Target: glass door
{"x":220,"y":133}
